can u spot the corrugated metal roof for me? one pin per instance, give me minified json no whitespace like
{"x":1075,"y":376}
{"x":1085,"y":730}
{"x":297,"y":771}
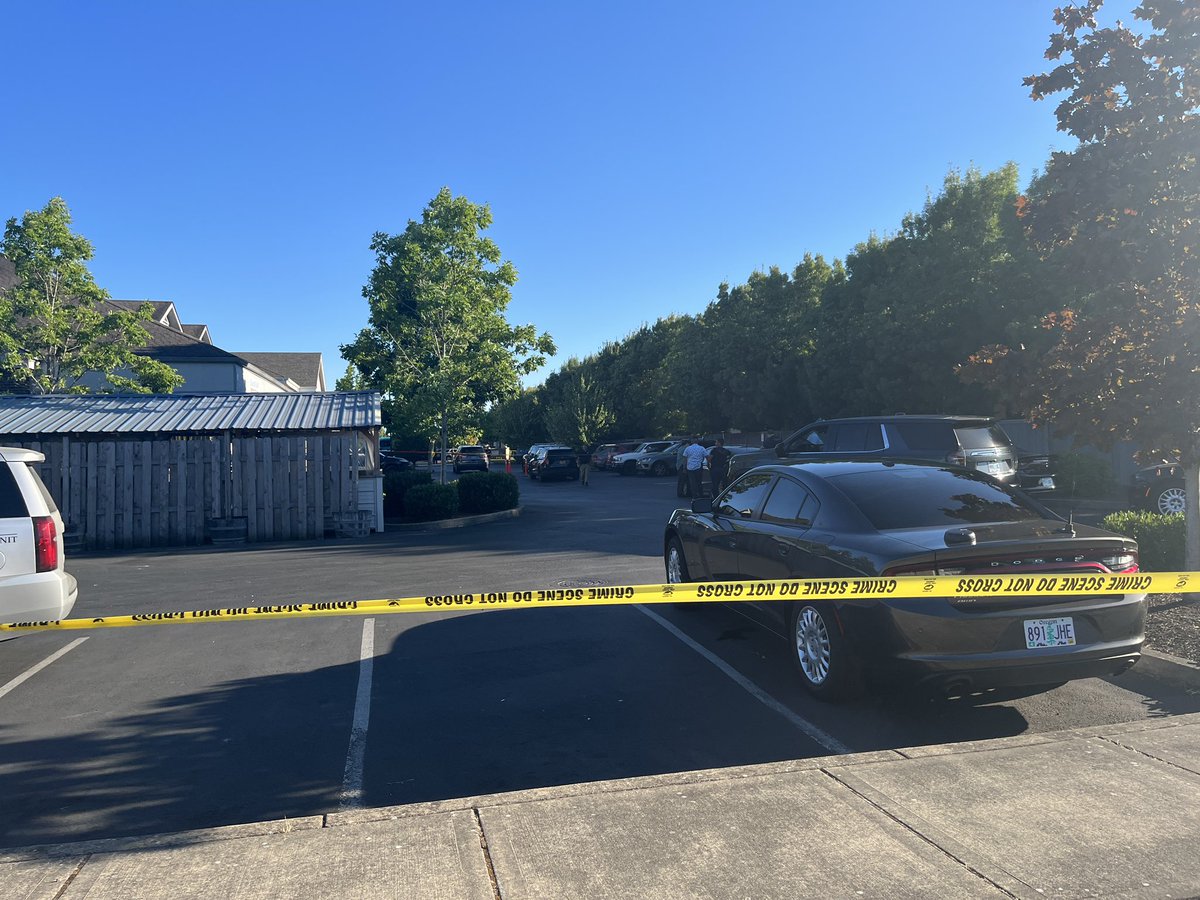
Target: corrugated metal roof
{"x":187,"y":413}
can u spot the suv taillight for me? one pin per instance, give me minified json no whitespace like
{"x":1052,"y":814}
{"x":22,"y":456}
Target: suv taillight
{"x":45,"y":544}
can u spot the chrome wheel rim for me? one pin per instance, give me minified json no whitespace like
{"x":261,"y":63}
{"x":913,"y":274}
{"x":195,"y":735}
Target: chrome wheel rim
{"x":812,"y":645}
{"x":1171,"y":500}
{"x":674,"y":566}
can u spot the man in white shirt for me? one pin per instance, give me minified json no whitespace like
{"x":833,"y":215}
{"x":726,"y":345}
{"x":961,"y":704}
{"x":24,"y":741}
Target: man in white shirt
{"x":694,"y":457}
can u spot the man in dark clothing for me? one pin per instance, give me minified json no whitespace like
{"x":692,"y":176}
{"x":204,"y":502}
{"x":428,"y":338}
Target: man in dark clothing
{"x":718,"y":466}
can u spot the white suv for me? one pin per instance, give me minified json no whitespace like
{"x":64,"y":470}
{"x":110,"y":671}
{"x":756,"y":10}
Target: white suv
{"x":34,"y":586}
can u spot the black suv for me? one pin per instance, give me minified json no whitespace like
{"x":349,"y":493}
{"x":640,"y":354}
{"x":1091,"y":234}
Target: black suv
{"x":969,"y":441}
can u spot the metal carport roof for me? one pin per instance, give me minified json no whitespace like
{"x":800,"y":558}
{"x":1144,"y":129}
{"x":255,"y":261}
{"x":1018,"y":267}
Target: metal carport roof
{"x":187,"y":413}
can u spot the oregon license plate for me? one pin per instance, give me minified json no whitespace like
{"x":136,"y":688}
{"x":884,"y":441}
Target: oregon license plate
{"x":1049,"y":633}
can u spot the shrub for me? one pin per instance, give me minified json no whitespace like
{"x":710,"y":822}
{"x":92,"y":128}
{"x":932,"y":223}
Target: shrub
{"x":1160,"y":538}
{"x":395,"y":485}
{"x":1081,"y":475}
{"x":426,"y":502}
{"x":485,"y":492}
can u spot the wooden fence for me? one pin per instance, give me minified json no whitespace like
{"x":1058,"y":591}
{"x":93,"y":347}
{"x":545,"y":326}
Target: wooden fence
{"x":169,"y":490}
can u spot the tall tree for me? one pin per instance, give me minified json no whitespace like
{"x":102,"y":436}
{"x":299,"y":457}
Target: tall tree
{"x":437,"y":341}
{"x":56,"y":327}
{"x":1121,"y":212}
{"x":582,"y":415}
{"x":915,"y":306}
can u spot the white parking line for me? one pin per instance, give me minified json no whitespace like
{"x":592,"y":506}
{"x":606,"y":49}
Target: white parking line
{"x":830,"y":743}
{"x":33,"y":670}
{"x":352,"y":777}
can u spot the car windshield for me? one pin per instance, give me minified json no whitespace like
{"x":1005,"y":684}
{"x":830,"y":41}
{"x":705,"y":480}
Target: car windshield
{"x":893,"y":498}
{"x":471,"y":450}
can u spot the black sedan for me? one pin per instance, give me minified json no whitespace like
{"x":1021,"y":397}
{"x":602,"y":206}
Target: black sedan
{"x":1160,"y":488}
{"x":842,"y":519}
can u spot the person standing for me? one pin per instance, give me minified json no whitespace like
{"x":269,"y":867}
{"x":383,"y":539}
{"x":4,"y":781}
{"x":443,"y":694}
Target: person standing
{"x":584,"y":461}
{"x":718,"y":466}
{"x":694,"y":456}
{"x":507,"y":460}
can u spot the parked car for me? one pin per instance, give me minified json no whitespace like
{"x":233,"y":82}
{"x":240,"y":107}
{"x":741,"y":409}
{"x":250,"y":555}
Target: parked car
{"x":554,"y":462}
{"x":389,"y":462}
{"x":659,"y":462}
{"x":1160,"y":488}
{"x":1035,"y":472}
{"x":841,"y":518}
{"x":470,"y":458}
{"x":620,"y":447}
{"x":626,"y":463}
{"x":34,"y":582}
{"x":969,"y":441}
{"x":534,"y":449}
{"x":683,"y":488}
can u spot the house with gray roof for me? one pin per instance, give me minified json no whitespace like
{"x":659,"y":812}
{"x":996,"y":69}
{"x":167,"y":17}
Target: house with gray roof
{"x":205,"y":367}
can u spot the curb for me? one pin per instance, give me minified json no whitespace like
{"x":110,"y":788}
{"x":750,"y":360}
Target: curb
{"x":1171,"y":669}
{"x":827,"y":764}
{"x":460,"y":522}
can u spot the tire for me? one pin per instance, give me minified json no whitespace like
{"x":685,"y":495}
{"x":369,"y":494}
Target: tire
{"x":680,"y":574}
{"x":659,"y":469}
{"x":1169,"y":500}
{"x":819,"y":650}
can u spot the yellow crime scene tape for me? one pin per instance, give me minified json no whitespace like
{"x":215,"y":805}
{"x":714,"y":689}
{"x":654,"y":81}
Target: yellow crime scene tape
{"x":942,"y":586}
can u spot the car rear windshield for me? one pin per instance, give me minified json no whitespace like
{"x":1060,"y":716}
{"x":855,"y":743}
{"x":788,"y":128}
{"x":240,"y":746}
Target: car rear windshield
{"x":471,"y":450}
{"x":560,"y":454}
{"x":12,"y":504}
{"x":41,"y":486}
{"x":931,"y":498}
{"x":982,"y":437}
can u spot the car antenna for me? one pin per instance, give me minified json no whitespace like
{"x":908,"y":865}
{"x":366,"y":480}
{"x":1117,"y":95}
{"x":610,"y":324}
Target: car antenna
{"x":1069,"y":528}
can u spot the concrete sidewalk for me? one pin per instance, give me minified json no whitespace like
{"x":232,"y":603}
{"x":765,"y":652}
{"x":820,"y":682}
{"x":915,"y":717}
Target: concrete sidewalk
{"x":1112,"y":811}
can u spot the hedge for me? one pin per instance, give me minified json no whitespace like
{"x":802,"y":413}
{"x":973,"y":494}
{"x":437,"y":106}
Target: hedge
{"x":485,"y":492}
{"x":396,"y":485}
{"x":1160,"y":538}
{"x":426,"y":502}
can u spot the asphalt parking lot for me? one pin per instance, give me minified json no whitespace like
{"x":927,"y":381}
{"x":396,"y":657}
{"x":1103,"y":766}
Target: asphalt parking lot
{"x":146,"y":730}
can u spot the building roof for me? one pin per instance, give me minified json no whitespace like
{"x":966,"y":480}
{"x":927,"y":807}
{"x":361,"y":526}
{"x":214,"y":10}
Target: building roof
{"x":302,"y":368}
{"x":62,"y":414}
{"x":199,"y":332}
{"x":162,"y":308}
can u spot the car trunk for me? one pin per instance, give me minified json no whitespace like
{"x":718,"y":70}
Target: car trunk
{"x":1039,"y":547}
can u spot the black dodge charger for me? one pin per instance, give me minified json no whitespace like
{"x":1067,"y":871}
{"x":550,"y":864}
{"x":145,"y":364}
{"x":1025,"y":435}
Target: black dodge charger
{"x":843,"y":519}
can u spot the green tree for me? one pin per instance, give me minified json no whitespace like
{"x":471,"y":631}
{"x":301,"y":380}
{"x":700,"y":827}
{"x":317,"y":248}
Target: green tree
{"x":516,"y":421}
{"x":350,"y":380}
{"x":437,"y":341}
{"x":582,"y":416}
{"x":914,"y":307}
{"x":56,"y":326}
{"x":1121,"y":212}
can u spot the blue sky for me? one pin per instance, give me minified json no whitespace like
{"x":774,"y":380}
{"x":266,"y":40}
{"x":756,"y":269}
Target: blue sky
{"x":236,"y":157}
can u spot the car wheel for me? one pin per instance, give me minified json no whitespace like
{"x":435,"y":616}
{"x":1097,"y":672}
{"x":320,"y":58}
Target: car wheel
{"x":818,"y":648}
{"x":677,"y":570}
{"x":1170,"y":500}
{"x":659,"y":469}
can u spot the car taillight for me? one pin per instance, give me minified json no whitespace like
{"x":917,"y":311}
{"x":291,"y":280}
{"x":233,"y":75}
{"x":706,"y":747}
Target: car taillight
{"x":45,"y":544}
{"x":1122,"y":563}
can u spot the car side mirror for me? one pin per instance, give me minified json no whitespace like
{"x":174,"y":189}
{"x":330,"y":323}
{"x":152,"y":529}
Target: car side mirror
{"x":781,"y":450}
{"x":702,"y":505}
